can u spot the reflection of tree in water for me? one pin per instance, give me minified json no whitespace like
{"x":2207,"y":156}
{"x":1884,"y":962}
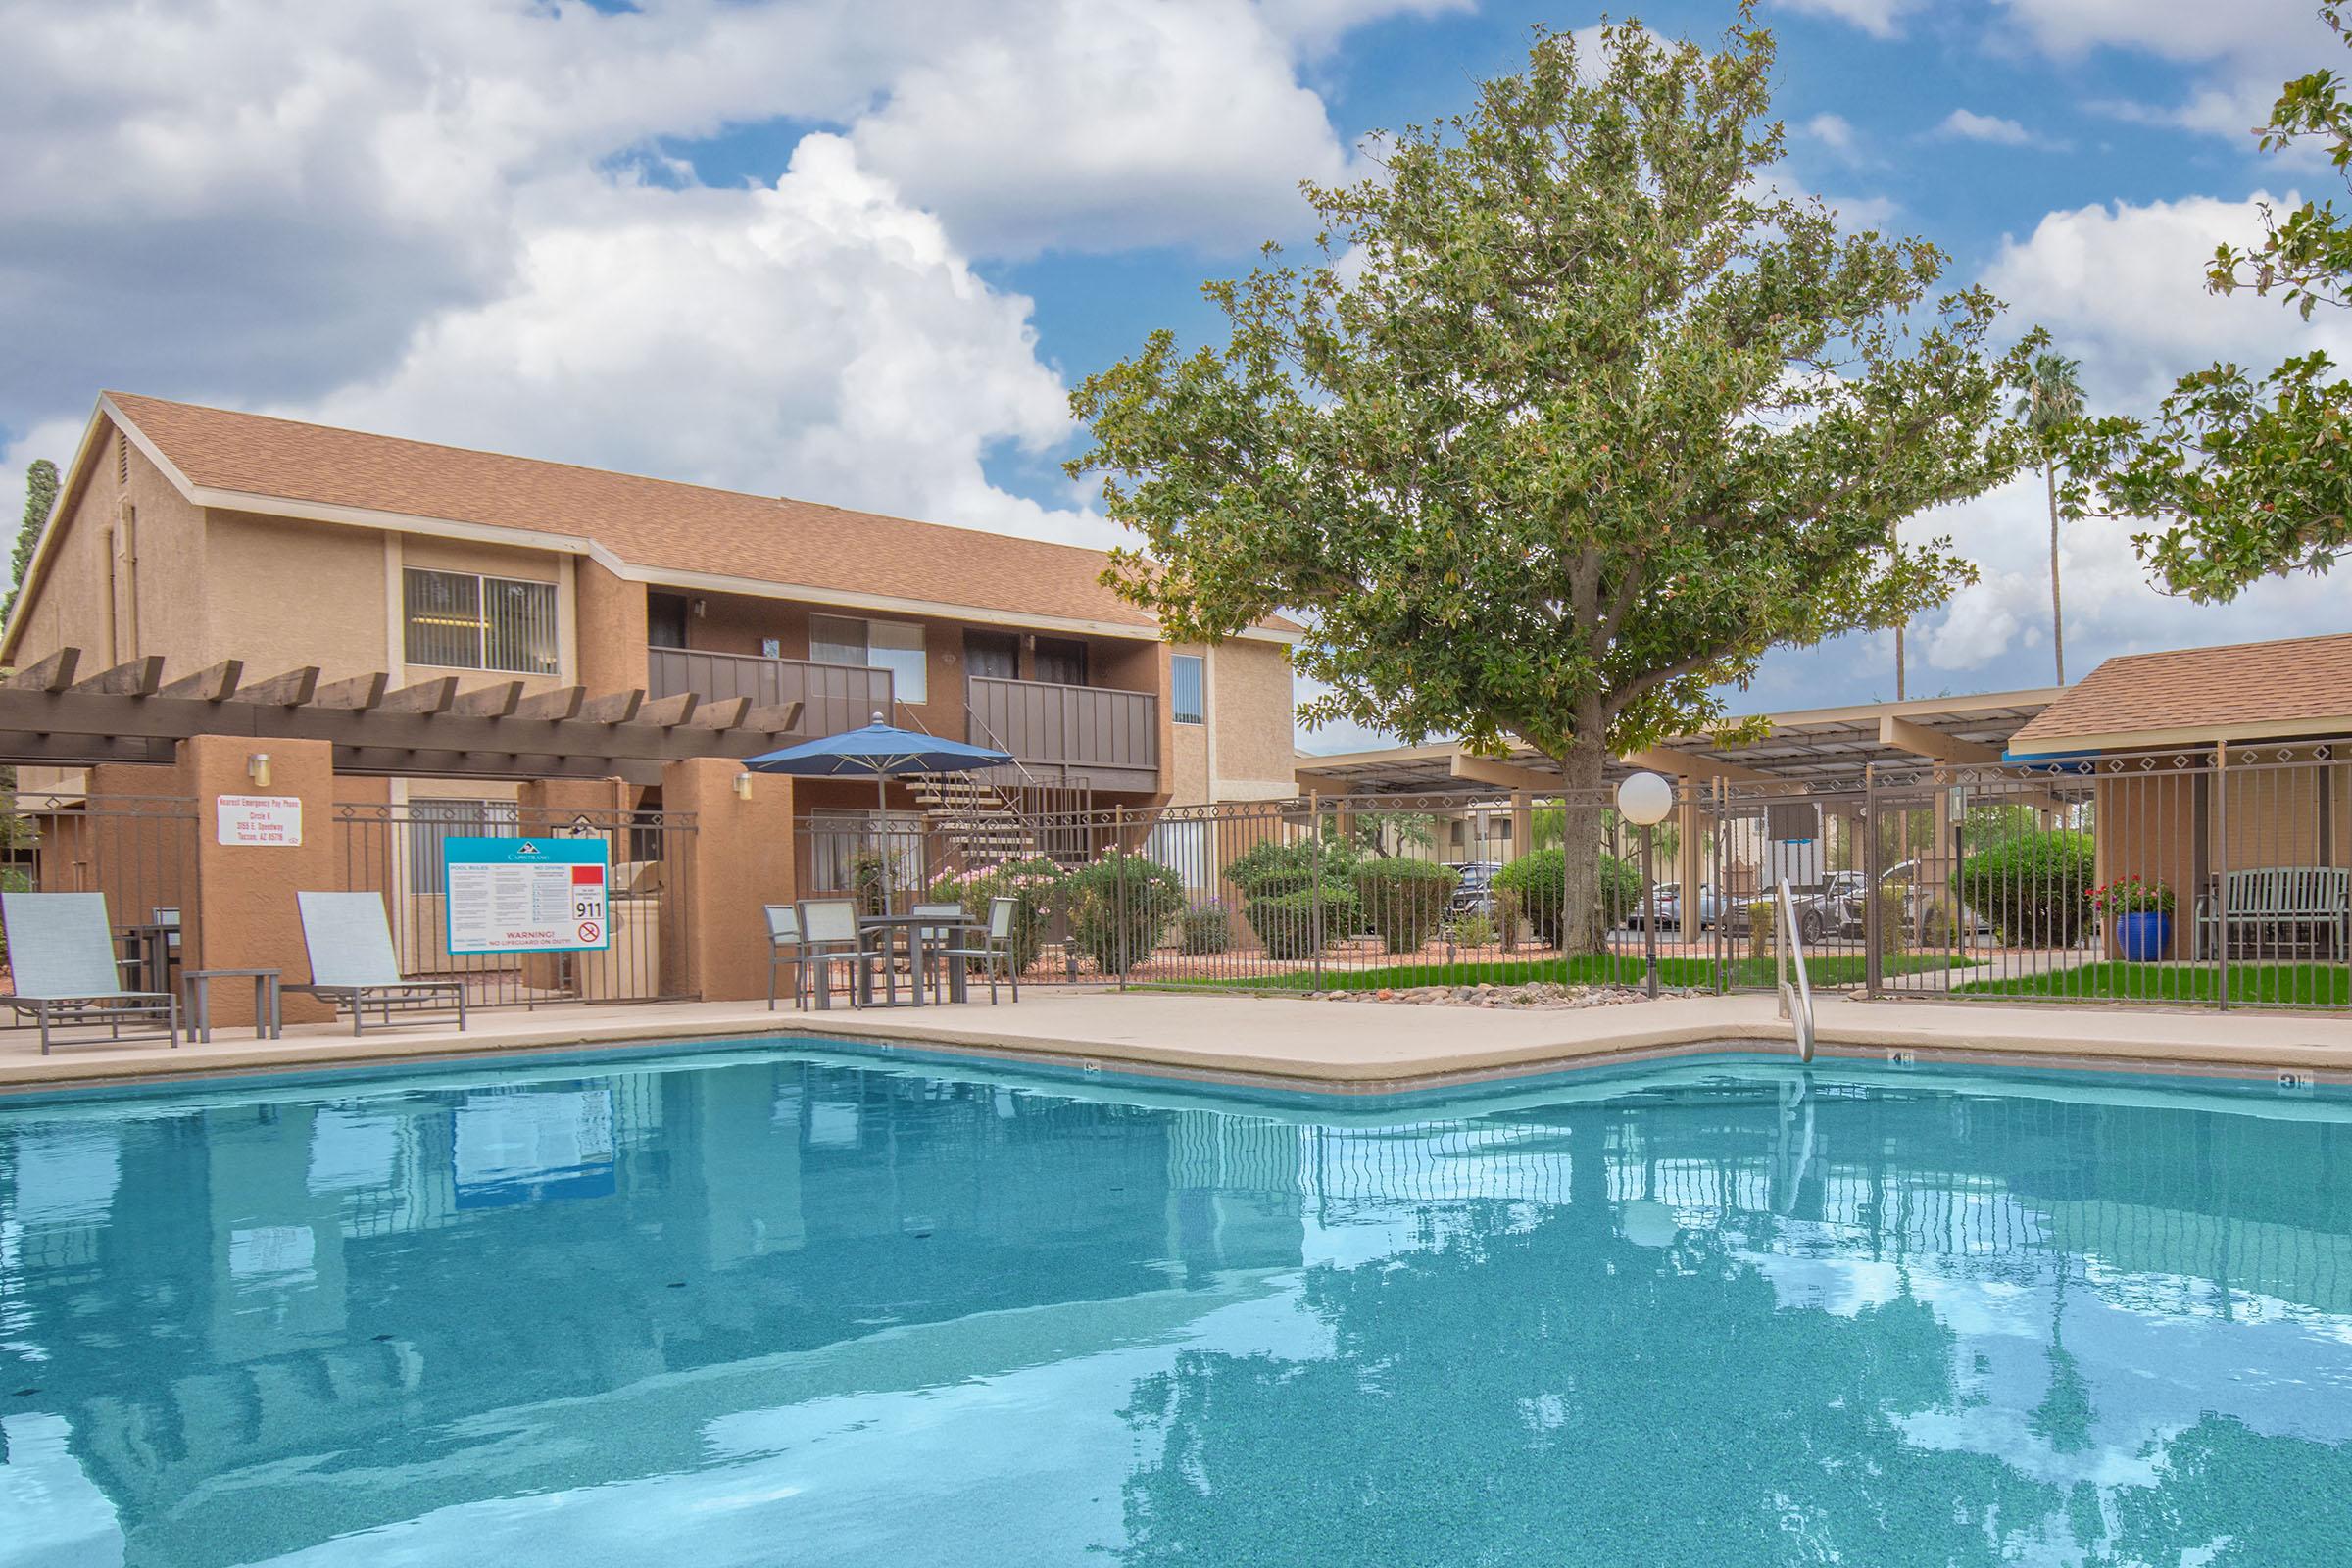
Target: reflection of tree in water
{"x":2235,"y":1498}
{"x":1534,"y":1396}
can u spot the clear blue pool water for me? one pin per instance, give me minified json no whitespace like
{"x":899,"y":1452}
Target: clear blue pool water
{"x":783,"y":1307}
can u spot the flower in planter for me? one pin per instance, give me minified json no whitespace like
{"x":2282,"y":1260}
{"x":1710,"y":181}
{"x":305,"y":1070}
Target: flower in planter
{"x":2131,"y":895}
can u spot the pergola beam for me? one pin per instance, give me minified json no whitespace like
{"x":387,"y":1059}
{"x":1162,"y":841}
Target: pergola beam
{"x":52,"y":674}
{"x":211,"y":685}
{"x":134,"y":677}
{"x":1905,"y":735}
{"x":291,"y":690}
{"x":1686,"y":764}
{"x":1499,"y":775}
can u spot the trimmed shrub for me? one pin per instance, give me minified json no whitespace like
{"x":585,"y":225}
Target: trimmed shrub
{"x":1290,"y":865}
{"x":1031,"y":881}
{"x":1475,"y":931}
{"x":1532,"y":886}
{"x":1404,"y":899}
{"x":1204,"y":928}
{"x":2032,"y":887}
{"x":1287,"y":922}
{"x":1120,"y":906}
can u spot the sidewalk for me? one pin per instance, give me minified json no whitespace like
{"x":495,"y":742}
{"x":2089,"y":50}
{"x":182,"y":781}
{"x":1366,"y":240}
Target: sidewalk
{"x":1341,"y":1046}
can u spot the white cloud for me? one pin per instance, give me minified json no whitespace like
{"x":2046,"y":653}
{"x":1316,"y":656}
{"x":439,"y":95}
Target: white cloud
{"x":1881,"y":19}
{"x":1107,"y":123}
{"x":1834,"y":132}
{"x":1968,"y":125}
{"x":2176,"y":30}
{"x":818,"y":337}
{"x":2122,"y":288}
{"x":469,"y":221}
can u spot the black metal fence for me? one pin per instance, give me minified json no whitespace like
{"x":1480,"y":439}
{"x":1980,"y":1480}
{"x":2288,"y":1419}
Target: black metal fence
{"x":137,"y":850}
{"x":2191,"y":877}
{"x":398,"y":850}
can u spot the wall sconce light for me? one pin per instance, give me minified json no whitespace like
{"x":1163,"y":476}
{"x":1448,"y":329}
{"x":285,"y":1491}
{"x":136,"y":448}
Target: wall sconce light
{"x":256,"y":768}
{"x":700,"y":607}
{"x":743,"y":786}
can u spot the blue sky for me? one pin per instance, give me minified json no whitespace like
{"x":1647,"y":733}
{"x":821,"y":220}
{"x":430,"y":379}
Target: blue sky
{"x":857,"y":250}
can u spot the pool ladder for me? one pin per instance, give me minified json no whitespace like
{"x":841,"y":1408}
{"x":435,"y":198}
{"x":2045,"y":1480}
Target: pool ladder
{"x":1796,"y":1002}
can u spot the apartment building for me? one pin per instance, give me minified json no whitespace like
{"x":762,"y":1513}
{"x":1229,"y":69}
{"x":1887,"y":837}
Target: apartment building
{"x":202,"y":534}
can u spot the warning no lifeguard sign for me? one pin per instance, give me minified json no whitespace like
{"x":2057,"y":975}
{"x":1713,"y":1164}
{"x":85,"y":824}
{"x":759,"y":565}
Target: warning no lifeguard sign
{"x":526,"y":895}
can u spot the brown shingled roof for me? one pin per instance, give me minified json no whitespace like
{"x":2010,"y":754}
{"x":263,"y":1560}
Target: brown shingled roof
{"x":655,"y":523}
{"x":2299,"y":685}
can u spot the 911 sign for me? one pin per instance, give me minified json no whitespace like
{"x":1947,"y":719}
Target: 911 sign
{"x":527,"y":895}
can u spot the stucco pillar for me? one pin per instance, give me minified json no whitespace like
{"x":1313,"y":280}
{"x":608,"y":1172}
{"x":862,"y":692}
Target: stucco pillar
{"x":738,"y":857}
{"x":244,"y":916}
{"x":611,"y":618}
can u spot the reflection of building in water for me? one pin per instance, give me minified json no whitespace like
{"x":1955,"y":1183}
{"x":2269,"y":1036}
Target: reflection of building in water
{"x":344,"y":1276}
{"x":463,"y":1291}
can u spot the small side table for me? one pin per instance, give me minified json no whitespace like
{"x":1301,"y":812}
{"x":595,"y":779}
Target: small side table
{"x":196,"y":1014}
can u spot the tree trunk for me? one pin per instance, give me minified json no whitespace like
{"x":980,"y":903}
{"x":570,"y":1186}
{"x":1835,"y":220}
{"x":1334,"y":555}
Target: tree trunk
{"x":2049,"y":473}
{"x":1584,"y":928}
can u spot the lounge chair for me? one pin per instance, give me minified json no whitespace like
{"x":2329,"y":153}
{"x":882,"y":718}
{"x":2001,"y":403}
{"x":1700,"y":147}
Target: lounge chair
{"x":995,"y":949}
{"x":62,"y":952}
{"x":352,"y":964}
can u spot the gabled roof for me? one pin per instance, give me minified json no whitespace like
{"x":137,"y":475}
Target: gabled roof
{"x":2241,"y":691}
{"x":653,"y":530}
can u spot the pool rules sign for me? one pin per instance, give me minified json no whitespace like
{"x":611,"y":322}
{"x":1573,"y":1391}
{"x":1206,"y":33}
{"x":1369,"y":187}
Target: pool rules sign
{"x":527,"y":895}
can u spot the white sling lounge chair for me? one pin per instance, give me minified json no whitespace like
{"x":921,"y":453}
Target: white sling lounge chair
{"x":352,"y":964}
{"x":62,"y":952}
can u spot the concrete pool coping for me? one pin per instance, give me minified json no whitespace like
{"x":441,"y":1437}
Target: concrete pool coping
{"x":1288,"y":1042}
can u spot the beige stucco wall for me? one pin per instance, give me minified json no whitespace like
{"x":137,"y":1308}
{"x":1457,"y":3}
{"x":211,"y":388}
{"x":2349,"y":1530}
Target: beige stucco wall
{"x":153,"y":600}
{"x":1252,"y":738}
{"x":286,"y":594}
{"x":608,"y":618}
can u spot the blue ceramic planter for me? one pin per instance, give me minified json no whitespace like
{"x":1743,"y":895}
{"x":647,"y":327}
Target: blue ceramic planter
{"x":2142,"y":938}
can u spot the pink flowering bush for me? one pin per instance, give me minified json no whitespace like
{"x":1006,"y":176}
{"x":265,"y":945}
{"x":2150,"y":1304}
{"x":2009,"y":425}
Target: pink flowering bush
{"x":1032,"y":881}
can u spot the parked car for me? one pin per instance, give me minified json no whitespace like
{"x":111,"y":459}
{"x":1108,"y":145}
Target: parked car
{"x":1840,"y":905}
{"x":1670,"y":907}
{"x":1475,"y":893}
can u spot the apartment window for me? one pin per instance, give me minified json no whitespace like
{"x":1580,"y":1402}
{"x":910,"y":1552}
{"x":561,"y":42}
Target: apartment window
{"x":893,"y":645}
{"x":1185,"y":679}
{"x":461,"y":621}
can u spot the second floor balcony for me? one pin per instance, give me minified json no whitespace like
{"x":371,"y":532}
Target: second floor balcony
{"x":1096,"y":737}
{"x":833,"y":698}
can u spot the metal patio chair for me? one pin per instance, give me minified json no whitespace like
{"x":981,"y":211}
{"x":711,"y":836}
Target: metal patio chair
{"x":352,"y":964}
{"x":996,"y":947}
{"x":786,"y":950}
{"x":62,"y":952}
{"x":830,"y":935}
{"x":952,"y":922}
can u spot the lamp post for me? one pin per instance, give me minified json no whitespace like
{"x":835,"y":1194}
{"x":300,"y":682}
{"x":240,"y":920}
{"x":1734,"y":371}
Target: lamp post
{"x":1643,"y":799}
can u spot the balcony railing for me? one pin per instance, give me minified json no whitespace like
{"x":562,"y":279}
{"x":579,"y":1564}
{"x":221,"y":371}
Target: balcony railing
{"x":1082,"y":733}
{"x":833,"y":698}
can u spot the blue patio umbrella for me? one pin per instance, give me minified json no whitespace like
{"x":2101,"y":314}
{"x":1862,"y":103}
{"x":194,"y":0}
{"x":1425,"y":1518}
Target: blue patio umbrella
{"x":882,"y":749}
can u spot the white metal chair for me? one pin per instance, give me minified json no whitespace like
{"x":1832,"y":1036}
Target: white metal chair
{"x":786,"y":951}
{"x":61,"y":950}
{"x":353,"y":963}
{"x":829,"y":935}
{"x":996,"y":947}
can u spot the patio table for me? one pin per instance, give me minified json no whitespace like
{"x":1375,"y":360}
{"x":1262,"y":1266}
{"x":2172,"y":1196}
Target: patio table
{"x":923,"y":933}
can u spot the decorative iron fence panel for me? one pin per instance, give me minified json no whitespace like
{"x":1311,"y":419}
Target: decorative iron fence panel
{"x":139,"y":851}
{"x":397,"y":851}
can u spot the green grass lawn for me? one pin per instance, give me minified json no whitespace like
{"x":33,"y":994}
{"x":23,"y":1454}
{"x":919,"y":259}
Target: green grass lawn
{"x":2328,"y":985}
{"x":1590,"y":969}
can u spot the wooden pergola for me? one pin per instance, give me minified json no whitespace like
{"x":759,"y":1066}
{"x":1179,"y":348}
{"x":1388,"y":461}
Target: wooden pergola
{"x":129,"y":713}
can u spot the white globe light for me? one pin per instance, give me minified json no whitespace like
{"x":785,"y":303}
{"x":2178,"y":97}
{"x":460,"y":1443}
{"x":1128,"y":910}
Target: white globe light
{"x":1645,"y":800}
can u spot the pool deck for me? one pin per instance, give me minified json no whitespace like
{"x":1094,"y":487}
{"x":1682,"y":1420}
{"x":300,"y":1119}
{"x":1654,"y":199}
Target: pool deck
{"x":1337,"y":1046}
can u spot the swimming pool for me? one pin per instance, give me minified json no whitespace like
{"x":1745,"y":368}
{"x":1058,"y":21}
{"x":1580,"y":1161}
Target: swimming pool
{"x":793,"y":1305}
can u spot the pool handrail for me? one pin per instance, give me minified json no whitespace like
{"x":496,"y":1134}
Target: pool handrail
{"x":1796,"y":1004}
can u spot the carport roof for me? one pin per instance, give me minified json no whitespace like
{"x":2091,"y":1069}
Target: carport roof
{"x":1825,"y":745}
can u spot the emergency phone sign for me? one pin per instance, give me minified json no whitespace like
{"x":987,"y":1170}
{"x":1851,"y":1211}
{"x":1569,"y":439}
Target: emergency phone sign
{"x":527,"y":895}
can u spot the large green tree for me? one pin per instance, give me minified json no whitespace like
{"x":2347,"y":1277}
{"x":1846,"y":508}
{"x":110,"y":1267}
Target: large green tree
{"x":1574,"y":415}
{"x":40,"y":495}
{"x":2242,"y":475}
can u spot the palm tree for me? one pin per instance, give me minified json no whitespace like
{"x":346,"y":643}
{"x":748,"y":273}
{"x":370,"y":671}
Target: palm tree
{"x":2052,"y":401}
